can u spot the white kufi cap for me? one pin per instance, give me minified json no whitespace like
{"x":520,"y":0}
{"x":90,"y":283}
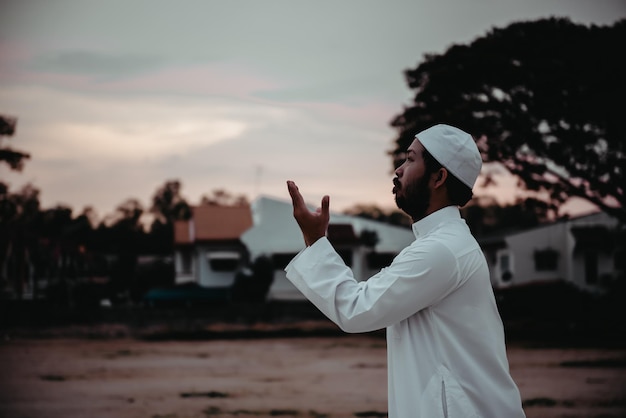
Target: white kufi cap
{"x":455,"y":150}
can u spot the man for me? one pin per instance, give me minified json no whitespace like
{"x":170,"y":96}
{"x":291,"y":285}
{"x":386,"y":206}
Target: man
{"x":445,"y":341}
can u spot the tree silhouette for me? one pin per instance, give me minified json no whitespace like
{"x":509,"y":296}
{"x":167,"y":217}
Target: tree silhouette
{"x":544,"y":98}
{"x":18,"y":228}
{"x":221,"y":197}
{"x":168,"y":206}
{"x":14,"y":158}
{"x":485,"y":218}
{"x":371,"y":211}
{"x":124,"y":238}
{"x":17,"y":212}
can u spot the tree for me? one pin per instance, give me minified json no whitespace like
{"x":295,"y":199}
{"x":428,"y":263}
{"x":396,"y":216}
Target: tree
{"x":167,"y":203}
{"x":370,"y":211}
{"x":221,"y":197}
{"x":168,"y":206}
{"x":58,"y":257}
{"x":15,"y":159}
{"x":487,"y":217}
{"x":252,"y":285}
{"x":544,"y":98}
{"x":18,"y":217}
{"x":125,"y":238}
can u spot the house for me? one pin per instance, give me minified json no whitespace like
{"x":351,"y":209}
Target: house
{"x":216,"y":242}
{"x":276,"y":235}
{"x":583,"y":251}
{"x":207,"y":247}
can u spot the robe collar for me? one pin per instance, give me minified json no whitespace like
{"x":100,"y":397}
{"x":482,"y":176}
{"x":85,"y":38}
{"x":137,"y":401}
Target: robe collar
{"x":428,"y":223}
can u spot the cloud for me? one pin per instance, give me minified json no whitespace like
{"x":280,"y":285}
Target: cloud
{"x":115,"y":97}
{"x":55,"y":124}
{"x":215,"y":79}
{"x":104,"y":66}
{"x":140,"y":140}
{"x":100,"y":149}
{"x":349,"y":89}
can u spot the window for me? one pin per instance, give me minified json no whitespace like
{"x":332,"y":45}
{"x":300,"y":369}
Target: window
{"x":591,"y":267}
{"x":505,"y":266}
{"x":546,"y":260}
{"x":224,"y":261}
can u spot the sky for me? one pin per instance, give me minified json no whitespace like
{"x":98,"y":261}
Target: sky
{"x":114,"y":98}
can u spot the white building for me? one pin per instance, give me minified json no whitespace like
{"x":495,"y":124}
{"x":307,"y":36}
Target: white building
{"x":207,"y":248}
{"x":276,"y":234}
{"x":218,"y":241}
{"x":582,"y":251}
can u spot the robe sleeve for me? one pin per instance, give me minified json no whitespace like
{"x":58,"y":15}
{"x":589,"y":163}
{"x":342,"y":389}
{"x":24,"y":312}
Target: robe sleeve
{"x":418,"y":277}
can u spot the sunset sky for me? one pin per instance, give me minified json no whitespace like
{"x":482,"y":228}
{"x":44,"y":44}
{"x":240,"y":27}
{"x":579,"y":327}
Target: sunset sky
{"x":113,"y":98}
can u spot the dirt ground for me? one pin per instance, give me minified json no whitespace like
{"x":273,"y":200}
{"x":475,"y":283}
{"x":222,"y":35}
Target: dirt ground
{"x":332,"y":376}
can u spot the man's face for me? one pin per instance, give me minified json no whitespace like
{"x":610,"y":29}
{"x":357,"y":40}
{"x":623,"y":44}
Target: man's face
{"x":411,"y":183}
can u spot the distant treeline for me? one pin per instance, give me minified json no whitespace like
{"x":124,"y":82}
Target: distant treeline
{"x":55,"y":248}
{"x":130,"y":250}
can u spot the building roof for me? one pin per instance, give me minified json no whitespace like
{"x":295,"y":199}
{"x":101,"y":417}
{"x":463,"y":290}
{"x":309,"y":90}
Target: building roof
{"x":213,"y":223}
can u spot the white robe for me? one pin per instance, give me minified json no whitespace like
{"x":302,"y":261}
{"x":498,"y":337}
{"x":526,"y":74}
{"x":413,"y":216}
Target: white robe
{"x":445,"y":340}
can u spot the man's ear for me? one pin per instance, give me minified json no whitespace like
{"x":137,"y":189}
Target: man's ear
{"x":442,"y":175}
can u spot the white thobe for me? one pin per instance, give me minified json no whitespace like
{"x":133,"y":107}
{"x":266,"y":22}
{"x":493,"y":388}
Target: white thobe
{"x":445,"y":340}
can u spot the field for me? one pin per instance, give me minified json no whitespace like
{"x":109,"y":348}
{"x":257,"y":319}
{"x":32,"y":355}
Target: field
{"x":309,"y":375}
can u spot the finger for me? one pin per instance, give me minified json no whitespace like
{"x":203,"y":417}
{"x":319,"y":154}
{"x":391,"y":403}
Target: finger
{"x":296,"y":198}
{"x":325,"y":206}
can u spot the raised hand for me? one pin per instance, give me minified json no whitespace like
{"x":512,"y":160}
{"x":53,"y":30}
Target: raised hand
{"x":312,"y":224}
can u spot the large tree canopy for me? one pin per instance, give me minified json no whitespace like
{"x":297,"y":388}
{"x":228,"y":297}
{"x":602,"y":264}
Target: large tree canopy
{"x":547,"y":98}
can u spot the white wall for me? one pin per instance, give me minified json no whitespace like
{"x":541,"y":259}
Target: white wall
{"x":181,"y":275}
{"x":521,"y":247}
{"x":283,"y":289}
{"x":524,"y":244}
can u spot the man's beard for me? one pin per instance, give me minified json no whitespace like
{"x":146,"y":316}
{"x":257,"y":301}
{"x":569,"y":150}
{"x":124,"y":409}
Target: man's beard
{"x":415,"y":199}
